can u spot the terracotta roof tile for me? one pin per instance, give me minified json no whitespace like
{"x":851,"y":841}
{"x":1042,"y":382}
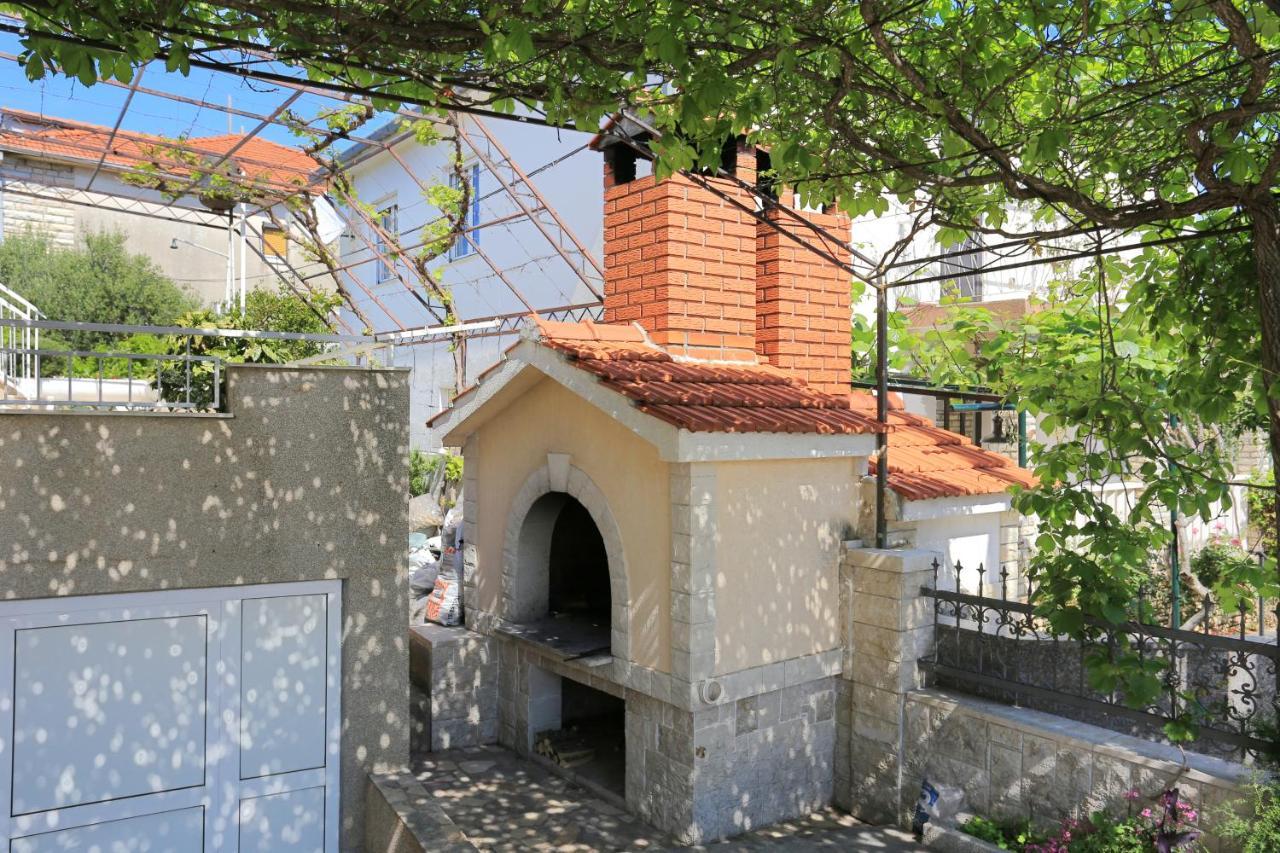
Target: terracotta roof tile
{"x":927,"y":462}
{"x":701,"y":396}
{"x":926,"y":315}
{"x":262,"y":161}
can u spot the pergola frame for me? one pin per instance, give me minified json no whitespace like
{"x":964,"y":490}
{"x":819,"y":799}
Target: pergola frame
{"x":886,"y":274}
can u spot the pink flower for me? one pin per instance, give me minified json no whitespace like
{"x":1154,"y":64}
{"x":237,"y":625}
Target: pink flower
{"x":1132,"y":794}
{"x":1146,"y":812}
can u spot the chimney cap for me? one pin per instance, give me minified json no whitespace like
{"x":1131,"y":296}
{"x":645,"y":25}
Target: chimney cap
{"x":619,"y":127}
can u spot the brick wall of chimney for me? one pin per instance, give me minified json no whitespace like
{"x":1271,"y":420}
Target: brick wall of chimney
{"x":706,"y":279}
{"x":680,"y":261}
{"x":802,"y":299}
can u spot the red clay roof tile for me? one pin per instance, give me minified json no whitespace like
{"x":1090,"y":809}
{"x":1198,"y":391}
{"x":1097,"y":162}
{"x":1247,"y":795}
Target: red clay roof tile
{"x":701,"y":396}
{"x":265,"y":163}
{"x":925,"y":461}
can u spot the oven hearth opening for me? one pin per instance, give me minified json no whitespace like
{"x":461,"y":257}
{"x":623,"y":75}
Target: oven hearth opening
{"x":564,"y":599}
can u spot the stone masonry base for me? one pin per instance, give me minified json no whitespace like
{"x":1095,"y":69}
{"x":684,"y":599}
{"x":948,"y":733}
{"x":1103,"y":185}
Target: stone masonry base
{"x":454,"y":688}
{"x":700,"y":774}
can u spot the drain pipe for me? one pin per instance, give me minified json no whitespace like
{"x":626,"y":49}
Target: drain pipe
{"x":882,"y":411}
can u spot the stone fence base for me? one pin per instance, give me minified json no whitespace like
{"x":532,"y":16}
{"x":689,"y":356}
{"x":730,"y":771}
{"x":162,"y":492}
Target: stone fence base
{"x":1014,"y":763}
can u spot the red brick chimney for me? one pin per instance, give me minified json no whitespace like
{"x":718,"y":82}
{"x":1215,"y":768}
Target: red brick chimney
{"x":802,"y":299}
{"x":680,"y":260}
{"x":706,"y":279}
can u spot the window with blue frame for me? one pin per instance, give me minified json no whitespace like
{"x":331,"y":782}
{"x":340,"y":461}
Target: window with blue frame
{"x":467,"y":242}
{"x":389,"y":223}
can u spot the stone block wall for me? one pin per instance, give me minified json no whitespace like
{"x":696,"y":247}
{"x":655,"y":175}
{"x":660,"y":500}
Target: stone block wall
{"x":700,"y":768}
{"x":1010,"y":763}
{"x":22,"y":207}
{"x":1014,"y":763}
{"x":454,"y":673}
{"x":886,"y":626}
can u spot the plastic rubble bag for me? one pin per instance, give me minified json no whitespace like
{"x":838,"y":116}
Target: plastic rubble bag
{"x":418,"y":610}
{"x":424,"y":568}
{"x":937,"y":804}
{"x":444,"y":605}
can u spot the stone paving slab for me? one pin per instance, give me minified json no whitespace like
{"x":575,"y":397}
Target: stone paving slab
{"x":505,"y":803}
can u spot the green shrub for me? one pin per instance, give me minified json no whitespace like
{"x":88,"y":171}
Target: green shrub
{"x":97,"y":282}
{"x":423,"y":468}
{"x":1007,"y":836}
{"x":1219,"y":560}
{"x":1259,"y":832}
{"x":265,"y":310}
{"x":1262,"y":510}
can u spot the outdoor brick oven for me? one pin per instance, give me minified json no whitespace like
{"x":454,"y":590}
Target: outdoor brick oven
{"x":655,"y":508}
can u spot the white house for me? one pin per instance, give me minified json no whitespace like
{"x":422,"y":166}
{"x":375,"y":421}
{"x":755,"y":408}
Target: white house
{"x":533,"y":242}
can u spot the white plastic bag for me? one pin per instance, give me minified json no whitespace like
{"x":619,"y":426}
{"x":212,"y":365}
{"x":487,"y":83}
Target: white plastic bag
{"x":937,"y":804}
{"x":424,"y":568}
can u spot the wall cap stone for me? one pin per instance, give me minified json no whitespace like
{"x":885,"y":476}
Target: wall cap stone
{"x":893,"y":560}
{"x":417,"y":814}
{"x":1135,"y":750}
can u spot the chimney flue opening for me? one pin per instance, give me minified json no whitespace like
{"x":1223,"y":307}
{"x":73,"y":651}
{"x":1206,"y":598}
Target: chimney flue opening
{"x":621,"y":160}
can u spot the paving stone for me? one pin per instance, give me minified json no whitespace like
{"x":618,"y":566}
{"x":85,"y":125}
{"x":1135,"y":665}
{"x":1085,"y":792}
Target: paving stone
{"x":504,"y":803}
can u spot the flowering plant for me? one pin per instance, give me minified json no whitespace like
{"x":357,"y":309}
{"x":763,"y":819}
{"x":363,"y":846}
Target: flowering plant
{"x":1173,"y":827}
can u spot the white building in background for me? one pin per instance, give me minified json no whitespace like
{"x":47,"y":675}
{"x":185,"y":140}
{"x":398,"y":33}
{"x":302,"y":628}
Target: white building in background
{"x":534,"y":240}
{"x":64,"y":179}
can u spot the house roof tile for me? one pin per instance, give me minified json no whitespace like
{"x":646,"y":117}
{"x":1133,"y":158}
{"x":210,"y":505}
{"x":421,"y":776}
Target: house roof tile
{"x":925,"y":461}
{"x":701,"y":396}
{"x":263,"y":162}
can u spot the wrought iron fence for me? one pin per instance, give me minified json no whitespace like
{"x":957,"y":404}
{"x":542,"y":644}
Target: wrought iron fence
{"x":1225,"y":684}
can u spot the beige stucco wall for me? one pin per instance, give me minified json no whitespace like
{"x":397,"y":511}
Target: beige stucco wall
{"x":779,"y":527}
{"x":307,"y":479}
{"x":551,"y":419}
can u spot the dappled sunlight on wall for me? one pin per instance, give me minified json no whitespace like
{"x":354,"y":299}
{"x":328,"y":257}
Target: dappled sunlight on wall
{"x":632,"y":482}
{"x":305,"y":478}
{"x":778,"y":530}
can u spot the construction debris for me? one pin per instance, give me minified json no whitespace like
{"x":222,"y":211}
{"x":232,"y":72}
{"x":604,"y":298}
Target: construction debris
{"x":565,"y":747}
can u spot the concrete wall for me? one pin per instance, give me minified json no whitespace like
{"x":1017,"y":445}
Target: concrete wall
{"x":305,"y":478}
{"x":779,"y":529}
{"x":551,"y":419}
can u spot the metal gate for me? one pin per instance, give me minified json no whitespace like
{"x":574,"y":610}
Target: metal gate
{"x":179,"y":721}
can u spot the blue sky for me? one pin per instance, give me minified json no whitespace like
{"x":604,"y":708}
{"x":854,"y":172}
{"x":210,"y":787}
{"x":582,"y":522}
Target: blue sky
{"x":59,"y":97}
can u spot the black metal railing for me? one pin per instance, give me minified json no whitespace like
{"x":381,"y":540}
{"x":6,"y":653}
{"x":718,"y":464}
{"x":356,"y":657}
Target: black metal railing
{"x":1223,"y":685}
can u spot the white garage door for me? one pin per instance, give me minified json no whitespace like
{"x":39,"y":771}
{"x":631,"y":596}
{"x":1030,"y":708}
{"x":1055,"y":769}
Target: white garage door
{"x":179,"y":721}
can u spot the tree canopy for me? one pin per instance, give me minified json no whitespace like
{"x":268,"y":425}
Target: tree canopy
{"x":1027,"y":119}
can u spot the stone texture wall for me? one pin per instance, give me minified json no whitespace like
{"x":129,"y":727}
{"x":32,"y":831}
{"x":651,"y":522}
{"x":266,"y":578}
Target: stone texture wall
{"x":304,"y":478}
{"x":22,"y":211}
{"x":1010,"y":762}
{"x":1014,"y":763}
{"x":455,"y":687}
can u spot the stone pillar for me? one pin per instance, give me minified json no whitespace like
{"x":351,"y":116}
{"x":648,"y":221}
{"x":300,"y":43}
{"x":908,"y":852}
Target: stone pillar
{"x":470,"y":530}
{"x":693,"y":535}
{"x":887,"y":625}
